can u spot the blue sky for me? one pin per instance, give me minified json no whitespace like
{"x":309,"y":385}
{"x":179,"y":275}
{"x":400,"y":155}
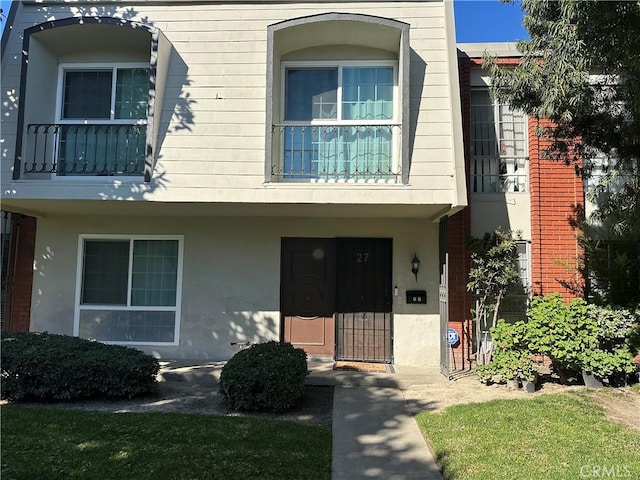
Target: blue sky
{"x":476,"y":20}
{"x":488,"y":21}
{"x":4,"y":4}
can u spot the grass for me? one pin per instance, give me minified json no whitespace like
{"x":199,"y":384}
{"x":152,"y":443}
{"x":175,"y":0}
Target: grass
{"x":47,"y":443}
{"x":554,"y":437}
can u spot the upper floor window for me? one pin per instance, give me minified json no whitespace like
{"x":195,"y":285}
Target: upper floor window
{"x":365,"y":93}
{"x":102,"y":119}
{"x":114,"y":93}
{"x":338,"y":90}
{"x":498,"y":146}
{"x":338,"y":121}
{"x":92,"y":119}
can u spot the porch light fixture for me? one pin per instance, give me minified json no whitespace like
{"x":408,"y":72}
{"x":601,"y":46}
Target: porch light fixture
{"x":415,"y":265}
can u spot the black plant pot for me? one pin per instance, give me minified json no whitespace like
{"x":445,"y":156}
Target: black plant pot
{"x":618,"y":379}
{"x":566,"y":375}
{"x":529,"y":386}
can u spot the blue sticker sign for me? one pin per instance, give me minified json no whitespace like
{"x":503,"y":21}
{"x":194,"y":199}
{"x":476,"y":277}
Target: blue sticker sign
{"x":452,"y":336}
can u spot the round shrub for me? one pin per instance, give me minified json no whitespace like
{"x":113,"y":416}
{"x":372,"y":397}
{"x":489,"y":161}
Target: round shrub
{"x":47,"y":366}
{"x":265,"y":377}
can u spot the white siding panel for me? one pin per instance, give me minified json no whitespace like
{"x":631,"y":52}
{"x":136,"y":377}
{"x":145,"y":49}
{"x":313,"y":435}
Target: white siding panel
{"x":433,"y":66}
{"x":432,"y":166}
{"x":217,"y":167}
{"x":214,"y":109}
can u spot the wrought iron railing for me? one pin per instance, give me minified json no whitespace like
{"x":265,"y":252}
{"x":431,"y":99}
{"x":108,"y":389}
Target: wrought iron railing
{"x":336,"y":153}
{"x":85,"y":149}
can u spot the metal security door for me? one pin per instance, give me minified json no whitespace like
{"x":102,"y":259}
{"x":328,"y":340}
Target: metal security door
{"x":443,"y":296}
{"x":307,"y":294}
{"x":364,"y":299}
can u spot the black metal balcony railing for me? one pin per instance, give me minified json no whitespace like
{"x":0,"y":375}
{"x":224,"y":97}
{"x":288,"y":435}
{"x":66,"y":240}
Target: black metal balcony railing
{"x":76,"y":150}
{"x":335,"y":153}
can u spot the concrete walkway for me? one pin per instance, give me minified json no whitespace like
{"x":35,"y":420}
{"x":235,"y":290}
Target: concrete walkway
{"x":375,"y":435}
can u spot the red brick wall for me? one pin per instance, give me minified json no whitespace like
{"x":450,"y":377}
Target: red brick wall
{"x":556,"y":192}
{"x":20,"y":274}
{"x":459,"y":229}
{"x":459,"y":298}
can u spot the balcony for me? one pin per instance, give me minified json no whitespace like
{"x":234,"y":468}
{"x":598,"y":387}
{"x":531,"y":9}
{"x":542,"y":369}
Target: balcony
{"x":336,"y":153}
{"x":84,"y":150}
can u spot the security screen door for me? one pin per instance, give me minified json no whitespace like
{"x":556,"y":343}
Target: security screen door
{"x":336,"y":297}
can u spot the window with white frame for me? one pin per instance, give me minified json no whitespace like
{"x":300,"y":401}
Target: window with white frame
{"x":499,"y":161}
{"x":522,"y":247}
{"x":102,"y":118}
{"x":339,"y":121}
{"x":605,"y":175}
{"x":129,"y":289}
{"x":515,"y":303}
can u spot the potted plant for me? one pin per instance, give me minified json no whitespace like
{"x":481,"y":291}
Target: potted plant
{"x":560,"y":331}
{"x":511,"y":362}
{"x":515,"y":366}
{"x":598,"y":365}
{"x":529,"y":376}
{"x":608,"y":355}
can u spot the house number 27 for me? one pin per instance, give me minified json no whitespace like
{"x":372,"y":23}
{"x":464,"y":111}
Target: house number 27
{"x":362,"y":257}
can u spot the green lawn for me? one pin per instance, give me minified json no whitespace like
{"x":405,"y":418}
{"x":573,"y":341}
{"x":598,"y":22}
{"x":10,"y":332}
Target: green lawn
{"x":51,"y":444}
{"x":552,"y":437}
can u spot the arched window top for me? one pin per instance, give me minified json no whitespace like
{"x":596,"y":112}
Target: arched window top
{"x":70,"y":21}
{"x":119,"y":54}
{"x":77,"y":36}
{"x":338,"y":29}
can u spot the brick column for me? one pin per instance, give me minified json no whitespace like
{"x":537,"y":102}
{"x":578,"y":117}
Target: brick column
{"x":556,"y":193}
{"x":20,"y":273}
{"x":459,"y":230}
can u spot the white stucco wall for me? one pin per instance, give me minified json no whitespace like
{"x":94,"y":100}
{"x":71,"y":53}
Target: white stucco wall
{"x":231,"y":277}
{"x":508,"y":211}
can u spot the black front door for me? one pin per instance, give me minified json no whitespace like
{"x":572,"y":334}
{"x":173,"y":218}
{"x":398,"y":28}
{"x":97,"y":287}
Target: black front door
{"x":364,"y":299}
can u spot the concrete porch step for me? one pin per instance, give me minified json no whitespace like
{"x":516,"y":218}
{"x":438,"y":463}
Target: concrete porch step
{"x":321,"y":373}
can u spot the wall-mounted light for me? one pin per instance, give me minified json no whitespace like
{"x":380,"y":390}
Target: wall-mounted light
{"x":415,"y":266}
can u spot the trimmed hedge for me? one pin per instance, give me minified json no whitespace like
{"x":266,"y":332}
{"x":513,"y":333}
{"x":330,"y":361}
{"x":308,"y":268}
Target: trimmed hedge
{"x":265,"y":377}
{"x":47,"y":366}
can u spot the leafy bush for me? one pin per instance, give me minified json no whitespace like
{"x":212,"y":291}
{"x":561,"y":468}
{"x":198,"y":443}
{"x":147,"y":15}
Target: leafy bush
{"x":511,"y":357}
{"x":610,"y":354}
{"x":59,"y":367}
{"x":607,"y":363}
{"x":265,"y":377}
{"x":578,"y":336}
{"x":613,"y":323}
{"x":560,"y":331}
{"x":575,"y":336}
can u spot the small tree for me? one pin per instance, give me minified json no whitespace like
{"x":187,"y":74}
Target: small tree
{"x":494,"y":270}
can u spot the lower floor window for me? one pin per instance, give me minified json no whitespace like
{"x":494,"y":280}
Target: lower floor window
{"x":516,"y":303}
{"x":129,"y":289}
